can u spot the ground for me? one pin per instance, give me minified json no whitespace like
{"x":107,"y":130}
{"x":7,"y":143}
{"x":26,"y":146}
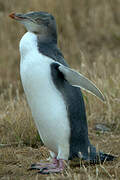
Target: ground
{"x":89,"y":37}
{"x":15,"y":162}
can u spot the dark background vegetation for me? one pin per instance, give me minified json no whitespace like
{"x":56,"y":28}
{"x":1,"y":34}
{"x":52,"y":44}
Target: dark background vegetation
{"x":89,"y":37}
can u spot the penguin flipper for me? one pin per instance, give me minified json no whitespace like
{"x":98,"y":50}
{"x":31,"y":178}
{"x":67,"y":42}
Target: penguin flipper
{"x":78,"y":80}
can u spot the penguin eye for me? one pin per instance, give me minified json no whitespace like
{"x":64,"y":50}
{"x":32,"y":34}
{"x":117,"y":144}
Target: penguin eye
{"x":51,"y":17}
{"x":45,"y":22}
{"x":38,"y":20}
{"x":35,"y":32}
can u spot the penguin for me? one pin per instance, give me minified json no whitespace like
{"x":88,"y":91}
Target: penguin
{"x":53,"y":92}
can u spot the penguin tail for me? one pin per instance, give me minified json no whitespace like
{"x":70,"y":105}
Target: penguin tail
{"x":102,"y":157}
{"x":105,"y":157}
{"x":99,"y":157}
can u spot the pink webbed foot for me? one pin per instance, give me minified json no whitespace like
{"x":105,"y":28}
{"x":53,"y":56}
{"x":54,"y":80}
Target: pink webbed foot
{"x":58,"y":169}
{"x":41,"y":166}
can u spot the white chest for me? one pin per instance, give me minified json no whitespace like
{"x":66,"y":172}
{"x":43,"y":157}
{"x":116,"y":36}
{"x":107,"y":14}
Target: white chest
{"x":46,"y":102}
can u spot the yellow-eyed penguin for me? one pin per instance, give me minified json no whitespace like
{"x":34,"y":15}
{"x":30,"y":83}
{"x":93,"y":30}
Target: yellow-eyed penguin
{"x":53,"y":93}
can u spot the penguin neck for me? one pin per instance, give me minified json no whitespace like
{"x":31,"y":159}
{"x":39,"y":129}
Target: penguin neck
{"x":28,"y":43}
{"x":47,"y":38}
{"x":47,"y":45}
{"x":31,"y":41}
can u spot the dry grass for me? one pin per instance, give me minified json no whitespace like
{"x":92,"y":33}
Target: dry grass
{"x":89,"y":37}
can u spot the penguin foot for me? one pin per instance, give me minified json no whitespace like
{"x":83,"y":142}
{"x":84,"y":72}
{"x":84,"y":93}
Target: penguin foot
{"x":58,"y":169}
{"x":41,"y":166}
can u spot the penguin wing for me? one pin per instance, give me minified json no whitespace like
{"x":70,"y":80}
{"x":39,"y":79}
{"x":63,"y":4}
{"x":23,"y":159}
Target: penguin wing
{"x":78,"y":80}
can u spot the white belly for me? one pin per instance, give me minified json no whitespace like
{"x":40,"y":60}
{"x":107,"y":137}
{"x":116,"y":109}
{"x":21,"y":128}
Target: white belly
{"x":46,"y":102}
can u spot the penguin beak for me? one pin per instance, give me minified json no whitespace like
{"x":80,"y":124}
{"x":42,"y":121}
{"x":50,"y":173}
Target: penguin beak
{"x":26,"y":20}
{"x":19,"y":17}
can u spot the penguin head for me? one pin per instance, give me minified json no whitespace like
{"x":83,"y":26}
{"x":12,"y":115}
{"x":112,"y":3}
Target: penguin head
{"x":41,"y":23}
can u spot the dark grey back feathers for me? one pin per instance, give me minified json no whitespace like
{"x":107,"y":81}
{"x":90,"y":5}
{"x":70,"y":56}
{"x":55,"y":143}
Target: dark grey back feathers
{"x":50,"y":49}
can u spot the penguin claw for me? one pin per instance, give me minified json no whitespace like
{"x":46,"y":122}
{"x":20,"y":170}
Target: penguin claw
{"x":42,"y":166}
{"x":49,"y":167}
{"x":33,"y":164}
{"x":54,"y":169}
{"x":48,"y":171}
{"x":42,"y":171}
{"x":35,"y":167}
